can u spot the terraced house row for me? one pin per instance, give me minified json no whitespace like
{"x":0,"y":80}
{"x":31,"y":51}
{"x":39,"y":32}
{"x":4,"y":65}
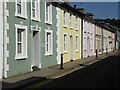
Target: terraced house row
{"x":34,"y":34}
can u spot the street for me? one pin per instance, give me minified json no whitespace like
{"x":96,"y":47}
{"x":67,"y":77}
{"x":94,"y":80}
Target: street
{"x":102,"y":74}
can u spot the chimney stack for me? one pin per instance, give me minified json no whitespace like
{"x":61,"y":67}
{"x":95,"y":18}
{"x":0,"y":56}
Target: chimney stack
{"x":74,"y":6}
{"x":80,"y":10}
{"x":90,"y":15}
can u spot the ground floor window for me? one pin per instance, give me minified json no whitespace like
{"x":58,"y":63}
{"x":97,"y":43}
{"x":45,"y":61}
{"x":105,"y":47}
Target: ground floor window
{"x":48,"y":42}
{"x":65,"y":42}
{"x":21,"y":41}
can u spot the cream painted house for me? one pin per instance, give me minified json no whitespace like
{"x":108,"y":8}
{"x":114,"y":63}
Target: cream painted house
{"x":69,"y":33}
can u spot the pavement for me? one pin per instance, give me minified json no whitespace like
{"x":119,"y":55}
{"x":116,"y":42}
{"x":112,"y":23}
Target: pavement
{"x":26,"y":79}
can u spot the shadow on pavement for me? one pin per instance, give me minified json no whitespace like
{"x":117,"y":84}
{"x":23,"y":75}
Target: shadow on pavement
{"x":21,"y":84}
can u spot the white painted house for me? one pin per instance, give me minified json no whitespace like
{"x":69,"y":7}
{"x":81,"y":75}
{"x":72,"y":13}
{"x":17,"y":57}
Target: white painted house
{"x":88,"y":38}
{"x":105,"y":40}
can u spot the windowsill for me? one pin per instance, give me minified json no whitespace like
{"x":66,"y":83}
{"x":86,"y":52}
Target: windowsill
{"x":35,"y":19}
{"x":20,"y":57}
{"x":65,"y":52}
{"x":71,"y":28}
{"x":77,"y":51}
{"x":65,"y":26}
{"x":49,"y":23}
{"x":48,"y":54}
{"x":21,"y":16}
{"x":76,"y":29}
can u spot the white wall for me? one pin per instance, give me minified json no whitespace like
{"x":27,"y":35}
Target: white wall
{"x":1,"y":38}
{"x":88,"y":44}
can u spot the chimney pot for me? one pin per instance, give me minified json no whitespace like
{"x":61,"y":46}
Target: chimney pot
{"x":74,"y":6}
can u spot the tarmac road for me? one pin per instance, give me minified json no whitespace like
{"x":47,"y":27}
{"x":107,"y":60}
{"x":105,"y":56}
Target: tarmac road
{"x":102,"y":74}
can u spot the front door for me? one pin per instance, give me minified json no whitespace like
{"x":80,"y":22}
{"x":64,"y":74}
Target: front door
{"x":36,"y":49}
{"x":88,"y":46}
{"x":71,"y":48}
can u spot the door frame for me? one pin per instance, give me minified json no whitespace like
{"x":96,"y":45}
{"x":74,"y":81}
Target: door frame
{"x":38,"y":30}
{"x":88,"y":46}
{"x":38,"y":44}
{"x":71,"y":48}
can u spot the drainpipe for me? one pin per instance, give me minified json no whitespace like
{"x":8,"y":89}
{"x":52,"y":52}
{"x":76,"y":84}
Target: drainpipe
{"x":3,"y":38}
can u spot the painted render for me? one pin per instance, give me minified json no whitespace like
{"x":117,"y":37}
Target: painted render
{"x":98,"y":39}
{"x":118,"y":40}
{"x":35,"y":37}
{"x":35,"y":42}
{"x":70,"y":53}
{"x":105,"y":40}
{"x":88,"y":38}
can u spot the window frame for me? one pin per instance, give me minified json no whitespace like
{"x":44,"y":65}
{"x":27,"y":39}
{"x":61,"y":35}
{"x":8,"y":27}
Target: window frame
{"x":77,"y":43}
{"x":65,"y":16}
{"x":24,"y":54}
{"x":37,"y":10}
{"x":65,"y":42}
{"x":49,"y":52}
{"x":23,"y":9}
{"x":76,"y":23}
{"x":71,"y":20}
{"x":49,"y":13}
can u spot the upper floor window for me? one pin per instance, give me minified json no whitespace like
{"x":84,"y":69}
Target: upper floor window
{"x":65,"y":19}
{"x":76,"y":23}
{"x":35,"y":10}
{"x":48,"y":12}
{"x":21,"y":8}
{"x":71,"y":21}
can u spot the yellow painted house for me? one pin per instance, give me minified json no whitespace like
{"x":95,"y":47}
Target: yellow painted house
{"x":69,"y":34}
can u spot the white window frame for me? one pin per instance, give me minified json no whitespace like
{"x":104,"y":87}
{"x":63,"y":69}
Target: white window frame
{"x":65,"y":14}
{"x":49,"y":21}
{"x":37,"y":10}
{"x":77,"y":43}
{"x":24,"y":54}
{"x":76,"y":22}
{"x":49,"y":52}
{"x":23,"y":9}
{"x":71,"y":21}
{"x":65,"y":42}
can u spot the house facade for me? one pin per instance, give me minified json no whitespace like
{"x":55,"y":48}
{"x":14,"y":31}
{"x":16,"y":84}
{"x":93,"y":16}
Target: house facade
{"x":113,"y":41}
{"x":98,"y":38}
{"x":88,"y":38}
{"x":105,"y":40}
{"x":34,"y":35}
{"x":109,"y":41}
{"x":117,"y":39}
{"x":69,"y":34}
{"x":31,"y":36}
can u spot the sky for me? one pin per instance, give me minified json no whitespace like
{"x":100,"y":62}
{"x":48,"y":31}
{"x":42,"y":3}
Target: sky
{"x":101,"y":10}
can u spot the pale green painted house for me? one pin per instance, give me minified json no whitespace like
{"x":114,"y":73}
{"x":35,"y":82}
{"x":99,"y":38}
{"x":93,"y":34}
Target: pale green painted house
{"x":30,"y":36}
